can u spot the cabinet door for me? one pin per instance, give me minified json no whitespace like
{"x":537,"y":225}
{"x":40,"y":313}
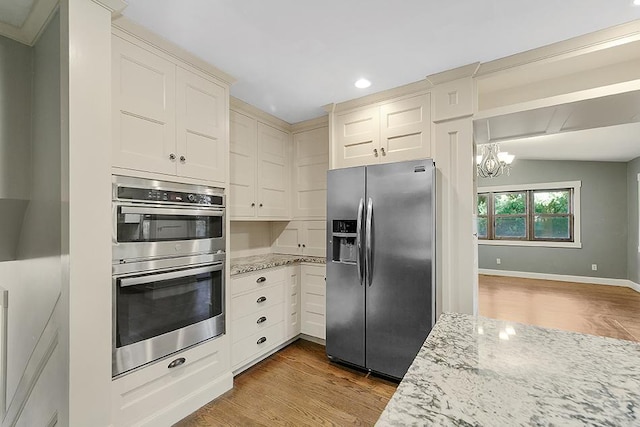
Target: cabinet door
{"x":242,"y":166}
{"x":201,"y":127}
{"x":357,"y":138}
{"x":311,"y":161}
{"x":315,"y":238}
{"x":287,"y":237}
{"x":143,"y":109}
{"x":292,"y":301}
{"x":313,"y":287}
{"x":405,"y":129}
{"x":273,"y":172}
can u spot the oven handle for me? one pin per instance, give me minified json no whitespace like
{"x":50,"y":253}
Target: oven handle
{"x":154,"y":277}
{"x":168,"y":211}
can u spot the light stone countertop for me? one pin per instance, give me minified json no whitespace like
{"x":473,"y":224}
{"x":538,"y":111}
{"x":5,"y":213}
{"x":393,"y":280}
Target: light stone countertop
{"x":475,"y":371}
{"x":260,"y":262}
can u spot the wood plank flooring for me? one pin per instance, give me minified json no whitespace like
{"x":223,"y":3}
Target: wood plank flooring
{"x":608,"y":311}
{"x":298,"y":386}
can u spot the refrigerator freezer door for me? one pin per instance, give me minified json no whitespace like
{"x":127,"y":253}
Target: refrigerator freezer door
{"x":400,"y":291}
{"x":345,"y":286}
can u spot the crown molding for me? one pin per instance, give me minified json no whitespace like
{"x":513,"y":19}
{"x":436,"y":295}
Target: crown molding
{"x":123,"y":25}
{"x":248,"y":109}
{"x":385,"y":95}
{"x":566,"y":49}
{"x":454,"y":74}
{"x":318,"y":122}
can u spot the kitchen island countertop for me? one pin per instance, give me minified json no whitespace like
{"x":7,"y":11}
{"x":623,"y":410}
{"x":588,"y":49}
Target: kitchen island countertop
{"x":260,"y":262}
{"x":486,"y":372}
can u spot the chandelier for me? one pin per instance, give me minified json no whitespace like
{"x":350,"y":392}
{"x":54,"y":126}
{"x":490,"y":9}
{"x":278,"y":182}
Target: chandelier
{"x":492,"y":163}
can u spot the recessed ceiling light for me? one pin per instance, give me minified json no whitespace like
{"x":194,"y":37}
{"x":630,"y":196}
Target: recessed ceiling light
{"x":364,"y":83}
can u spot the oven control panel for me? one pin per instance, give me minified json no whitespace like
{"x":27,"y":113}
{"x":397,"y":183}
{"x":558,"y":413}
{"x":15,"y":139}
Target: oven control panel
{"x":156,"y":195}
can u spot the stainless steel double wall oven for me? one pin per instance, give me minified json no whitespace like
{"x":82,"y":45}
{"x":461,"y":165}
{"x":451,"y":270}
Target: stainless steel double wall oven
{"x":168,"y":269}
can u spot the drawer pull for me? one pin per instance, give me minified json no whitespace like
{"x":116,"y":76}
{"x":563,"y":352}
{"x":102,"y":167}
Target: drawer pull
{"x":261,"y":320}
{"x":179,"y":361}
{"x":261,"y":279}
{"x":261,"y":340}
{"x":261,"y":299}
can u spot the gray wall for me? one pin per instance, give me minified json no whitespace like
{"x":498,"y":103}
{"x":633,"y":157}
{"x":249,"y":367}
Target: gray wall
{"x":34,"y":279}
{"x":633,"y":257}
{"x":603,"y":217}
{"x":15,"y":136}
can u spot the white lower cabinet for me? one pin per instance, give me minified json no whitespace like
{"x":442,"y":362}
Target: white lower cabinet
{"x":313,"y":290}
{"x":292,"y":301}
{"x":257,"y":314}
{"x":157,"y":395}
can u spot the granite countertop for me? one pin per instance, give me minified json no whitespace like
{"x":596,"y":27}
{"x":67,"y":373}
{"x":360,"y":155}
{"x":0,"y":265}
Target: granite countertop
{"x":484,"y":372}
{"x":260,"y":262}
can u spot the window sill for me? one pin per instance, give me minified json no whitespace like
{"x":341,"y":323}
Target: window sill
{"x":574,"y":245}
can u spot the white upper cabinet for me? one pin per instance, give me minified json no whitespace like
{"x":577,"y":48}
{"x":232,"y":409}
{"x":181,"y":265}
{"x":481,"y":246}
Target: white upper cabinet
{"x":357,"y":140}
{"x":405,"y":129}
{"x":393,"y":131}
{"x":242,"y":165}
{"x":260,"y":170}
{"x":166,"y":119}
{"x":273,"y":172}
{"x":310,"y":164}
{"x":201,"y":127}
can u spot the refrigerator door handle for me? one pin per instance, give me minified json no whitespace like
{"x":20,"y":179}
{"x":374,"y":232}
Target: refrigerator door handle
{"x":367,"y":242}
{"x":359,"y":241}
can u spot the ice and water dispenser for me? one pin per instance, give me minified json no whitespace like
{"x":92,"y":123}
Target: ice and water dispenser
{"x":343,"y":239}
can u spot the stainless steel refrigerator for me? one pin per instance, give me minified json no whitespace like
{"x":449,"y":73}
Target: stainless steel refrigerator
{"x":380,"y":264}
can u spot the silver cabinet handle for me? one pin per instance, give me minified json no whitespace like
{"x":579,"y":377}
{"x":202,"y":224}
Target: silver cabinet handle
{"x":261,"y":299}
{"x":183,"y":159}
{"x":261,"y":279}
{"x":261,"y":320}
{"x":261,"y":340}
{"x":253,"y":205}
{"x":368,"y":242}
{"x":382,"y":151}
{"x":375,"y":152}
{"x":359,"y":241}
{"x":260,"y":204}
{"x":172,"y":156}
{"x":179,"y":361}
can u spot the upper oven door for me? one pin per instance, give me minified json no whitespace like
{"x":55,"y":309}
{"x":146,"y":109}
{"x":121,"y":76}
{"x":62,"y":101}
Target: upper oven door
{"x":148,"y":231}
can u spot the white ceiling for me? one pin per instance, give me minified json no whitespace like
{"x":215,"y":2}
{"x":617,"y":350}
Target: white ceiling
{"x":291,"y":57}
{"x":605,"y":128}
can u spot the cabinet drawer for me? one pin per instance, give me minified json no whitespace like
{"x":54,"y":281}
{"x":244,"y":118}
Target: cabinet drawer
{"x":255,"y":322}
{"x":257,"y":280}
{"x":244,"y":305}
{"x":256,"y":344}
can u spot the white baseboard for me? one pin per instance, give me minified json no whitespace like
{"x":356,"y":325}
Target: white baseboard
{"x":562,"y":278}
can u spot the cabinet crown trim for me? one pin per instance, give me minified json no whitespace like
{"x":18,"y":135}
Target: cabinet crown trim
{"x":122,"y":26}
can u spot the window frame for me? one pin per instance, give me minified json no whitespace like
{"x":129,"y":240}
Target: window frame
{"x":529,"y":189}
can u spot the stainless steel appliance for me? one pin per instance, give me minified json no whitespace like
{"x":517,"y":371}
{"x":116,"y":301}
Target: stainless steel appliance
{"x":159,"y":219}
{"x":380,"y":264}
{"x":165,"y":305}
{"x":168,"y":269}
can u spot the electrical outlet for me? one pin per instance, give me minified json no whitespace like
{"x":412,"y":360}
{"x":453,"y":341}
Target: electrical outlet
{"x":498,"y":261}
{"x":594,"y":267}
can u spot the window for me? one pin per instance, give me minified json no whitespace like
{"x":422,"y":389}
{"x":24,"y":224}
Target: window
{"x":537,"y":215}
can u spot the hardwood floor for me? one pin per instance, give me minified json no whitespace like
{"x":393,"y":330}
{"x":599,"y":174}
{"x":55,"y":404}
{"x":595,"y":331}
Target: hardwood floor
{"x":609,"y":311}
{"x":297,"y":386}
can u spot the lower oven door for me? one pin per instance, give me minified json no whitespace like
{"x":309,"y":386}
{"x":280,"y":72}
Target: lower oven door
{"x":158,"y":313}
